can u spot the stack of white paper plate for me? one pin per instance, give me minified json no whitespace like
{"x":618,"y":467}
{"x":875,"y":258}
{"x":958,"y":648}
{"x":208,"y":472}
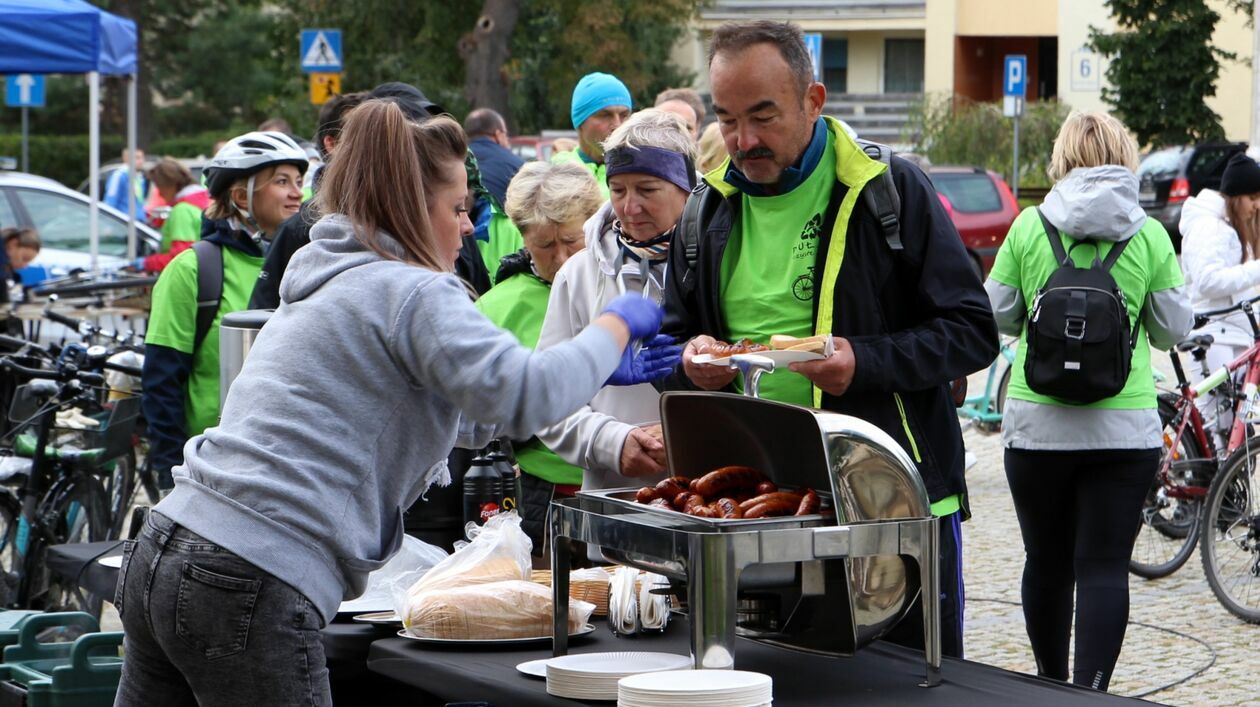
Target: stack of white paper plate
{"x":696,"y":688}
{"x":594,"y":676}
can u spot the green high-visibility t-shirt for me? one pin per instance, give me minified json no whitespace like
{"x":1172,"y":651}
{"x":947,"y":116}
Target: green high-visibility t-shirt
{"x":767,"y":276}
{"x":518,"y":304}
{"x":1025,"y":261}
{"x":505,"y":239}
{"x":173,"y":323}
{"x":183,"y":224}
{"x":597,"y":168}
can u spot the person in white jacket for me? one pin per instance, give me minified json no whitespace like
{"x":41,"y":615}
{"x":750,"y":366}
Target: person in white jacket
{"x":1220,"y":250}
{"x":650,"y":162}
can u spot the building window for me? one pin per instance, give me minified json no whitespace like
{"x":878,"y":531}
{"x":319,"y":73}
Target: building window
{"x":836,"y":64}
{"x":903,"y":66}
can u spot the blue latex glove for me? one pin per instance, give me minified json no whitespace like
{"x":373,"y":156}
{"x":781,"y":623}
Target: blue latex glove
{"x":655,"y":360}
{"x":137,"y":264}
{"x":641,"y":315}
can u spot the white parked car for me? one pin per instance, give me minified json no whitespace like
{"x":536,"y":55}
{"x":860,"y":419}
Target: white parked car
{"x":60,"y":215}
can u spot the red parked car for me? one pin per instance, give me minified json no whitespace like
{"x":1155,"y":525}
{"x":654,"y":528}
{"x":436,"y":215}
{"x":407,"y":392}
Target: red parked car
{"x":982,"y":207}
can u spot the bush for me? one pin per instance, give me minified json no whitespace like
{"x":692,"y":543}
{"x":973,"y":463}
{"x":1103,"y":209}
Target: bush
{"x":65,"y":157}
{"x":959,"y":131}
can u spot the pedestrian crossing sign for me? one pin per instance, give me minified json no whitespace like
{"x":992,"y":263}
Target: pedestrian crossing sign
{"x":321,"y":50}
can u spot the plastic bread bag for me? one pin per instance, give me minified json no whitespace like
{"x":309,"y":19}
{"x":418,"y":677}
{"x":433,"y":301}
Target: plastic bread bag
{"x":494,"y":610}
{"x":412,"y":561}
{"x":498,"y":553}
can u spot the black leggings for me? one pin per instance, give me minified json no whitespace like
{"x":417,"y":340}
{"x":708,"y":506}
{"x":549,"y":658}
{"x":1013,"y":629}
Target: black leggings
{"x":1078,"y":514}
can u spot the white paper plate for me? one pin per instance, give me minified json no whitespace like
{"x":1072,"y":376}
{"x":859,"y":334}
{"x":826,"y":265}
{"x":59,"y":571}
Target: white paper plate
{"x":711,"y":360}
{"x":534,"y":668}
{"x":379,"y":617}
{"x":402,"y":633}
{"x":114,"y":561}
{"x":783,"y":358}
{"x":363,"y":606}
{"x":707,"y":686}
{"x":617,"y":663}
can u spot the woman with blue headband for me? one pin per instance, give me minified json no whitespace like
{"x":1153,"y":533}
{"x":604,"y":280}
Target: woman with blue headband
{"x":650,"y":166}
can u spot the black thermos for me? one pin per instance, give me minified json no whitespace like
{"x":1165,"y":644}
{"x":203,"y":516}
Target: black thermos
{"x":500,"y":453}
{"x":483,"y":490}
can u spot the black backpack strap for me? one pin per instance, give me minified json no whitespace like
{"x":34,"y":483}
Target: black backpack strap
{"x":881,"y":197}
{"x":209,"y":287}
{"x":700,"y":208}
{"x":1056,"y":242}
{"x":1114,"y":254}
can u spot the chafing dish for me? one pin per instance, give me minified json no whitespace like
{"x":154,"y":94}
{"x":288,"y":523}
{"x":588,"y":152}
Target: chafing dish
{"x":829,"y":583}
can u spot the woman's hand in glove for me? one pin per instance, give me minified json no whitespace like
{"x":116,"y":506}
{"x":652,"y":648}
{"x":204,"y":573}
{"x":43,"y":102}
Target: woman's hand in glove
{"x":641,"y":315}
{"x":655,"y":360}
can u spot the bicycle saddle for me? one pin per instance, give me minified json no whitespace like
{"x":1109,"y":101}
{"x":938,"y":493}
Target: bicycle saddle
{"x":1195,"y":342}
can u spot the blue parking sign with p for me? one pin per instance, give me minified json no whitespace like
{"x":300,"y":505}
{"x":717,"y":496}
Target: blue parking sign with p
{"x":1015,"y":75}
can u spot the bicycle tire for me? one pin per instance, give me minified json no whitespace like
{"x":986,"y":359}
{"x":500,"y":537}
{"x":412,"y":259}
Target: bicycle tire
{"x":1231,"y":538}
{"x":77,"y":512}
{"x":1168,"y":529}
{"x":999,"y":404}
{"x":120,"y":488}
{"x":10,"y":561}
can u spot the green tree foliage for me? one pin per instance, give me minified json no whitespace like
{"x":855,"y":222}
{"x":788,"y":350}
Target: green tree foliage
{"x":956,"y":131}
{"x":1163,"y":68}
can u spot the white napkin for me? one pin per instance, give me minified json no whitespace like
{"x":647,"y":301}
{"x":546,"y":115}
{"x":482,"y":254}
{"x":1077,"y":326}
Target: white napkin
{"x":623,"y":609}
{"x":653,"y":608}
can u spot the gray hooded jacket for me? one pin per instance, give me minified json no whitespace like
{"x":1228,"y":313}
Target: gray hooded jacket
{"x":348,"y":405}
{"x":1100,"y":202}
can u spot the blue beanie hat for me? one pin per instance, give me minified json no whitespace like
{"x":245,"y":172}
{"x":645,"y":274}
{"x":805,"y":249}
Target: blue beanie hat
{"x":594,"y":93}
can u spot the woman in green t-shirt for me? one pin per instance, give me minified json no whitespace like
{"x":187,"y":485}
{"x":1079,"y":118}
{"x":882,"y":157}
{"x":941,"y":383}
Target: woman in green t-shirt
{"x":1079,"y":473}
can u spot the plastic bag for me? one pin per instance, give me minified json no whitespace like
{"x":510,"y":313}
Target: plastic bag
{"x":412,"y":561}
{"x":500,"y":552}
{"x":495,"y":610}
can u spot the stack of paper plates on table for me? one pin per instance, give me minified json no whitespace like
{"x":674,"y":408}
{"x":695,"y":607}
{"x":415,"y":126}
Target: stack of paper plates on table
{"x":594,"y":676}
{"x":696,"y":688}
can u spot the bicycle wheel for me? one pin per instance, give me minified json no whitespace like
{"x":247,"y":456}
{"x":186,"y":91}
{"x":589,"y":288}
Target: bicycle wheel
{"x":1231,"y":539}
{"x":78,"y":513}
{"x":999,"y":405}
{"x":120,"y":489}
{"x":10,"y":558}
{"x":1169,"y":524}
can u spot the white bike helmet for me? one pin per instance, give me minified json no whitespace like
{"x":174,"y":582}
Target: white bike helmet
{"x":245,"y":156}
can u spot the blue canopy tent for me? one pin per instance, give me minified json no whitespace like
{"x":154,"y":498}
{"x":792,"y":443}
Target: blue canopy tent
{"x":75,"y":37}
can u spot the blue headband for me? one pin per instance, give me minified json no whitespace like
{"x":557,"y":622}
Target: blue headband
{"x":665,"y":164}
{"x":595,"y":92}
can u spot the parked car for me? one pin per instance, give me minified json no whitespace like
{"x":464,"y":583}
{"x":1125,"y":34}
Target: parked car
{"x":982,"y":207}
{"x":1167,"y":177}
{"x":531,"y":147}
{"x":60,"y":215}
{"x":154,"y":206}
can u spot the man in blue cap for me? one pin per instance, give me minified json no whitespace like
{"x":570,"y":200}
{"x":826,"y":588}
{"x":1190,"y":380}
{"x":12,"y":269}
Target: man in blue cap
{"x":601,"y":102}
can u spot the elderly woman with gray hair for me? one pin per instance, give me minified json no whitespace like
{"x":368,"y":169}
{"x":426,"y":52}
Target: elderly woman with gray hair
{"x":650,"y":162}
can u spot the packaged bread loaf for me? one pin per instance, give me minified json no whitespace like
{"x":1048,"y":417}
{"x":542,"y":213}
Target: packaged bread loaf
{"x":499,"y":552}
{"x":509,"y":609}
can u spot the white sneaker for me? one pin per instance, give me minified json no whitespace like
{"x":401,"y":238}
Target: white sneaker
{"x":969,"y":460}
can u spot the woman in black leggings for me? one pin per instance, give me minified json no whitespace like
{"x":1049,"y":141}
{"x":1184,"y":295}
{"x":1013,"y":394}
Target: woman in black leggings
{"x":1079,"y":473}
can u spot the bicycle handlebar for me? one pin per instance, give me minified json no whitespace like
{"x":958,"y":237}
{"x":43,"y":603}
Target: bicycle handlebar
{"x":1201,"y":318}
{"x":60,"y":318}
{"x":86,"y":377}
{"x":19,"y":343}
{"x":122,"y":368}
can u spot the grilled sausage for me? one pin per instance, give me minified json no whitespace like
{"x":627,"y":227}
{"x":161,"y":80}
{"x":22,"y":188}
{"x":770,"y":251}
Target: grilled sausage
{"x":682,"y":481}
{"x":703,"y":512}
{"x":767,"y":486}
{"x":661,"y":503}
{"x":728,"y":508}
{"x":809,"y":503}
{"x":668,"y":489}
{"x":646,"y":495}
{"x":786,"y":496}
{"x":729,"y":478}
{"x":771,"y":508}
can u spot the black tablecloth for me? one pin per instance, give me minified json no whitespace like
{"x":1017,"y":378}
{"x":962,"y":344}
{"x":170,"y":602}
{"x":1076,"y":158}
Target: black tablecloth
{"x":881,"y":674}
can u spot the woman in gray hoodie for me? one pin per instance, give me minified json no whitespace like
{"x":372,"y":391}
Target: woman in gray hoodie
{"x":373,"y":367}
{"x":1079,"y":473}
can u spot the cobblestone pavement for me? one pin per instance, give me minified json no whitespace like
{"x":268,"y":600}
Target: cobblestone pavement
{"x":1182,"y":647}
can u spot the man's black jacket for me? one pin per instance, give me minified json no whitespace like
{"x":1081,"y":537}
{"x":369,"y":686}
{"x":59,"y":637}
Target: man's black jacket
{"x":917,"y":318}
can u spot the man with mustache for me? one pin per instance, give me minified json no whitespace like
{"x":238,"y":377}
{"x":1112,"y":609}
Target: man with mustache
{"x":779,"y":240}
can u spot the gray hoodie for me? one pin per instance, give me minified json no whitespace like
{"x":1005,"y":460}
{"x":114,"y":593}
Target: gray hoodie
{"x":348,"y":405}
{"x":1100,"y":202}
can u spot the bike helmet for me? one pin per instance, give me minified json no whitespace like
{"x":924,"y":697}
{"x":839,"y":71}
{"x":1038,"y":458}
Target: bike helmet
{"x":247,"y":154}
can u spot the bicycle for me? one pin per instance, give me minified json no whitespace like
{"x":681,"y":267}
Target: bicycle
{"x":984,"y":411}
{"x":58,"y":499}
{"x":1172,"y":513}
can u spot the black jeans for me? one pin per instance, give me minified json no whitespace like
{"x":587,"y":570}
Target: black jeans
{"x":204,"y":627}
{"x":1078,"y":514}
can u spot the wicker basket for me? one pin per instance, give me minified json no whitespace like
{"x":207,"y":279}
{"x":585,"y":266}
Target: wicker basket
{"x":593,"y":591}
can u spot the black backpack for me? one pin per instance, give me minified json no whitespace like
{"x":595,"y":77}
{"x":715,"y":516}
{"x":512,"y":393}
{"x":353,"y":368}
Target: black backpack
{"x":209,"y":287}
{"x":1080,"y":347}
